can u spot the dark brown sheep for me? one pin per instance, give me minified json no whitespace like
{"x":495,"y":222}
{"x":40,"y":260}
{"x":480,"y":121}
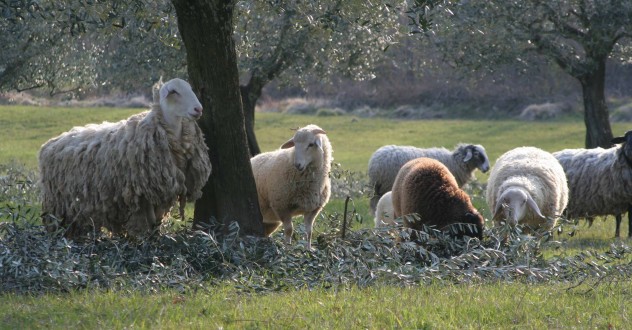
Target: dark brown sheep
{"x":426,"y":187}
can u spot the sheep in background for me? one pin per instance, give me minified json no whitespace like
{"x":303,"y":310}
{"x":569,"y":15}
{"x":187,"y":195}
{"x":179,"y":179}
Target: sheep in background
{"x":600,"y":180}
{"x":424,"y":186}
{"x":294,"y":180}
{"x":527,"y":185}
{"x":126,"y":176}
{"x":387,"y":160}
{"x":384,"y":213}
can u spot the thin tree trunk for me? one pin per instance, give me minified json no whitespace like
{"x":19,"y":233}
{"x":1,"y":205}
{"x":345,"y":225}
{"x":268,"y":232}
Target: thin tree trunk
{"x":249,"y":97}
{"x":206,"y":27}
{"x":596,"y":117}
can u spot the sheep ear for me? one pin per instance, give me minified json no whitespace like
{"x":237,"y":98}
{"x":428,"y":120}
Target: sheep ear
{"x":534,"y":207}
{"x":468,"y":155}
{"x":618,"y":139}
{"x":319,"y":142}
{"x":288,"y":144}
{"x":318,"y":131}
{"x":164,"y":91}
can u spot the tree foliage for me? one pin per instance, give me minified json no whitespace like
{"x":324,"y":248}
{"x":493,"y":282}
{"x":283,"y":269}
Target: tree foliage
{"x":578,"y":35}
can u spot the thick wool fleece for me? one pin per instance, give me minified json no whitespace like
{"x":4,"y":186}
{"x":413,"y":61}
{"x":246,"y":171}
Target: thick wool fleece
{"x":600,"y":181}
{"x":123,"y":176}
{"x":283,"y":190}
{"x":425,"y":187}
{"x":536,"y":172}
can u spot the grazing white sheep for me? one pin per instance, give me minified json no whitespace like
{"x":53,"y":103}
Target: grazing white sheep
{"x":424,"y":186}
{"x":294,"y":180}
{"x":600,"y":180}
{"x":384,"y":213}
{"x":527,"y":185}
{"x":126,"y":176}
{"x":387,"y":160}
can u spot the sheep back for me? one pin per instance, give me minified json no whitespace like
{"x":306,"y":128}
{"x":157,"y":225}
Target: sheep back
{"x":425,"y":187}
{"x":539,"y":174}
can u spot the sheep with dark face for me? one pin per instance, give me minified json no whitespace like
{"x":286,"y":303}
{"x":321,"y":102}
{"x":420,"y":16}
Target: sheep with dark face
{"x":600,"y":181}
{"x":126,"y":176}
{"x":294,"y":180}
{"x":387,"y":160}
{"x":425,"y":187}
{"x":527,"y":186}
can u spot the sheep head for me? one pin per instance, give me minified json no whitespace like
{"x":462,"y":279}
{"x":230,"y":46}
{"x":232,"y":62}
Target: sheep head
{"x":177,"y":100}
{"x":513,"y":205}
{"x":472,"y":219}
{"x":308,"y":146}
{"x":626,"y":148}
{"x":476,"y":153}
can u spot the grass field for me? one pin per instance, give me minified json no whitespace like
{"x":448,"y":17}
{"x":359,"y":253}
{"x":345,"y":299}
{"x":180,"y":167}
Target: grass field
{"x":519,"y":305}
{"x":440,"y":306}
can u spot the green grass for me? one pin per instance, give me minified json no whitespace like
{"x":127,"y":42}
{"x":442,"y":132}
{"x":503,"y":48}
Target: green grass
{"x":24,"y":129}
{"x":438,"y":306}
{"x":442,"y":305}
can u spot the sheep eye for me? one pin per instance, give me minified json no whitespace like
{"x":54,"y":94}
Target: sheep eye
{"x":173,"y":92}
{"x":310,"y":145}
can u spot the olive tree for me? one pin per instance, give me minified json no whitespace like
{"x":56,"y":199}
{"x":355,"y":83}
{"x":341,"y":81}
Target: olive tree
{"x":577,"y":35}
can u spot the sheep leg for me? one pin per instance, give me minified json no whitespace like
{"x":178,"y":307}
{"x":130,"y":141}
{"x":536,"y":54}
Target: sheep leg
{"x":309,"y":224}
{"x":629,"y":221}
{"x":183,"y":203}
{"x":288,"y":229}
{"x":617,"y":230}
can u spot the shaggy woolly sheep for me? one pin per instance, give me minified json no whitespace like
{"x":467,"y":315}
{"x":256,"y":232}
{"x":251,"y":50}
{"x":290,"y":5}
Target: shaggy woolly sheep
{"x":387,"y":160}
{"x":527,"y":185}
{"x":294,"y":180}
{"x":600,"y":180}
{"x":126,"y":176}
{"x":424,"y":186}
{"x":384,"y":214}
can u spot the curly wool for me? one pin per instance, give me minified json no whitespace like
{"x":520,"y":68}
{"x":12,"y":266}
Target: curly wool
{"x":425,"y":187}
{"x":123,"y":176}
{"x":535,"y":172}
{"x":387,"y":160}
{"x":600,"y":181}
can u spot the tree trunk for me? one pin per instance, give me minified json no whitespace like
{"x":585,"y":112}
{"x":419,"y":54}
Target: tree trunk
{"x":249,"y":97}
{"x":206,"y":27}
{"x":596,"y":117}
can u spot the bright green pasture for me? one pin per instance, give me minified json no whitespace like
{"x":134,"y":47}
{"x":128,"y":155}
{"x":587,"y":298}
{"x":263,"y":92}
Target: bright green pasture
{"x":438,"y":306}
{"x":24,"y":129}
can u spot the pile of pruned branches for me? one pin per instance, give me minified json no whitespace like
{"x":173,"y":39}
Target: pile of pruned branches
{"x":34,"y":261}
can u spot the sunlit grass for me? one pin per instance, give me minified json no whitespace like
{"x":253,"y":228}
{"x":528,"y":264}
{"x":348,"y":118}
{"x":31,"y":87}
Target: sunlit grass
{"x":437,"y":306}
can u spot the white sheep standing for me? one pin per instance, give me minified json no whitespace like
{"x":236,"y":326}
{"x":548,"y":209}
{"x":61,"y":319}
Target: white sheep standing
{"x":384,"y":213}
{"x":294,"y":180}
{"x":600,"y":180}
{"x":387,"y":160}
{"x":527,"y":185}
{"x":126,"y":176}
